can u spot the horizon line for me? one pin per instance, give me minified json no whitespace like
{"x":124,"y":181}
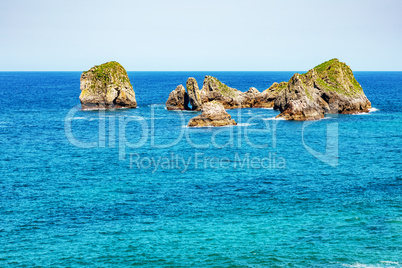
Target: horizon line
{"x":14,"y":71}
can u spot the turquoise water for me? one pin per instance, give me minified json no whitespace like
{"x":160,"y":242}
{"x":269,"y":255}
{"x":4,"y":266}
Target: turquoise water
{"x":138,"y":188}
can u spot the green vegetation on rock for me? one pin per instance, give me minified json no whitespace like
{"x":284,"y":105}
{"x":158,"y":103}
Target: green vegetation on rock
{"x":323,"y":66}
{"x":224,"y":89}
{"x":282,"y":86}
{"x":277,"y":87}
{"x":334,"y":75}
{"x":327,"y":88}
{"x":108,"y":86}
{"x":108,"y":73}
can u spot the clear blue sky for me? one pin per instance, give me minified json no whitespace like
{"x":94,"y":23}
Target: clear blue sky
{"x":152,"y":35}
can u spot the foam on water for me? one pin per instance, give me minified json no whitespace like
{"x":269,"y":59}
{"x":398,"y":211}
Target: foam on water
{"x":104,"y":109}
{"x":327,"y":118}
{"x":157,"y":105}
{"x":78,"y":118}
{"x":183,"y":111}
{"x":245,"y":124}
{"x":185,"y":126}
{"x":382,"y":264}
{"x":274,"y":118}
{"x":138,"y":117}
{"x":371,"y":110}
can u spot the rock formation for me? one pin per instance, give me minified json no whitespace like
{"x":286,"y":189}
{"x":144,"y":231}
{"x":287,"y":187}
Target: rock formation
{"x":265,"y":99}
{"x":251,"y":96}
{"x":215,"y":90}
{"x":178,"y":99}
{"x":194,"y":94}
{"x":213,"y":115}
{"x":328,"y":88}
{"x":106,"y":86}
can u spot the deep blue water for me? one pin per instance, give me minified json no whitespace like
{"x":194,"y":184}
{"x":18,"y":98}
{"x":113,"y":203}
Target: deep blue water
{"x":110,"y":188}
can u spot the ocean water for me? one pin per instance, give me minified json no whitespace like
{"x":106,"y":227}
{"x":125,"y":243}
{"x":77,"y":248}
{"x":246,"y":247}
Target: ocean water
{"x":136,"y":187}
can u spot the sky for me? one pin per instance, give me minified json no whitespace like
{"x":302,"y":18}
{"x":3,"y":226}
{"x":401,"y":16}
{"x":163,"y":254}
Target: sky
{"x":176,"y":35}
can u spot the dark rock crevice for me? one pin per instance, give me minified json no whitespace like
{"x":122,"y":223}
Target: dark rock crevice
{"x":115,"y":103}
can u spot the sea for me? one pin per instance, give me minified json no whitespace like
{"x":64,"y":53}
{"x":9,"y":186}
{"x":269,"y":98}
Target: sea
{"x":138,"y":188}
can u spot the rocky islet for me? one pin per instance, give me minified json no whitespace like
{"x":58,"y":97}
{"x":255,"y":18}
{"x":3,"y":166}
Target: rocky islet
{"x":106,"y":86}
{"x":327,"y":88}
{"x":213,"y":114}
